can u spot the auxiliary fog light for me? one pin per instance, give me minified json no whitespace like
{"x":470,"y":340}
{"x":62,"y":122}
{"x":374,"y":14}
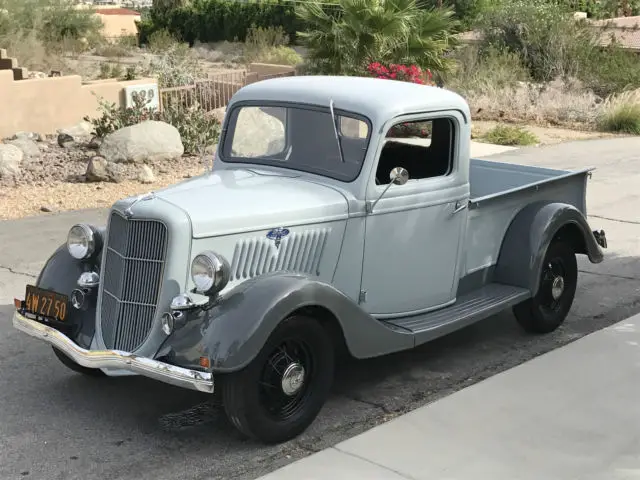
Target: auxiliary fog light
{"x":167,"y":323}
{"x":77,"y":298}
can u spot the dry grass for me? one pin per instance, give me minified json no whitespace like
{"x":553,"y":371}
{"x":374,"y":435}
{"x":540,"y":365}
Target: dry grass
{"x":556,"y":103}
{"x":621,"y":113}
{"x":511,"y":135}
{"x":31,"y":53}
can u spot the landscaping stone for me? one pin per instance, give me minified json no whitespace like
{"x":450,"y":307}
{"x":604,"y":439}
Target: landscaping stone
{"x":10,"y":160}
{"x":148,"y":141}
{"x":65,"y":140}
{"x":95,"y":143}
{"x":28,"y":147}
{"x":145,"y":174}
{"x":36,"y":137}
{"x":82,"y":132}
{"x":101,"y":170}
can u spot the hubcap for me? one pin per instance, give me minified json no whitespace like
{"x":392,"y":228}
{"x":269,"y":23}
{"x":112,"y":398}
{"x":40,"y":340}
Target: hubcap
{"x":557,"y":287}
{"x":292,"y":379}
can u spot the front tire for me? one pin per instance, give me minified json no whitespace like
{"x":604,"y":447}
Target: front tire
{"x":545,"y":312}
{"x":67,"y":362}
{"x":280,"y":393}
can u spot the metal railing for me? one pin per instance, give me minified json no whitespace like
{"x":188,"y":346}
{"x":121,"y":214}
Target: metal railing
{"x":214,"y":92}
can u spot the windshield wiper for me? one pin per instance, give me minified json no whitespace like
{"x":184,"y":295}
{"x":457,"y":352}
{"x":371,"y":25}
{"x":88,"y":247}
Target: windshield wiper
{"x":335,"y":130}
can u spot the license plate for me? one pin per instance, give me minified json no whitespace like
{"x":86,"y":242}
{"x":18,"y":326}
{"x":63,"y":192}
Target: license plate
{"x":46,"y":303}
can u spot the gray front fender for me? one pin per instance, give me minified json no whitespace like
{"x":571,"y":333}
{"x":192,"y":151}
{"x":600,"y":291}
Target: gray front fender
{"x":60,"y":274}
{"x":232,"y":333}
{"x":530,"y":233}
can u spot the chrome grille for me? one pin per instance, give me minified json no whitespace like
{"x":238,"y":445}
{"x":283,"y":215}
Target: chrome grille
{"x":299,"y":252}
{"x":132,"y":279}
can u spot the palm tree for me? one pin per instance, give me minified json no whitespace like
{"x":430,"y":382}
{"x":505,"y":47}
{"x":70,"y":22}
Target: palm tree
{"x":365,"y":31}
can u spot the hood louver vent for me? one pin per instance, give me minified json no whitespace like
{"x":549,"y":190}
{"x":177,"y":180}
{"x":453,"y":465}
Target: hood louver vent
{"x":299,"y":252}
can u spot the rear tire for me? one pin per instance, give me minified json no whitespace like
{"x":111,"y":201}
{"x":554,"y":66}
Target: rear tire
{"x":67,"y":362}
{"x":280,"y":393}
{"x":545,"y":312}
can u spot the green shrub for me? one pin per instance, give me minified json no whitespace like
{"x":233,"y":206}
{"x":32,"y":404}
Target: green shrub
{"x":621,"y":113}
{"x":198,"y":129}
{"x":53,"y":22}
{"x":367,"y":31}
{"x":544,"y":34}
{"x":268,"y":45}
{"x":211,"y":21}
{"x":609,"y":70}
{"x":277,"y":56}
{"x":488,"y":69}
{"x":177,"y":66}
{"x":509,"y":135}
{"x":161,"y":41}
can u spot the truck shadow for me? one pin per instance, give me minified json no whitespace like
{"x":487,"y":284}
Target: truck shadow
{"x":365,"y":393}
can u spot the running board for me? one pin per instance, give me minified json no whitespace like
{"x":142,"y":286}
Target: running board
{"x":470,"y":308}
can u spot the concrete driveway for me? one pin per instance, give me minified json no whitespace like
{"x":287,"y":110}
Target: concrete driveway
{"x":55,"y":424}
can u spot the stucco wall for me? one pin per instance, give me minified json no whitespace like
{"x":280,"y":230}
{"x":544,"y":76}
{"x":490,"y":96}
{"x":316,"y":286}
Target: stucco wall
{"x":43,"y":105}
{"x":119,"y":25}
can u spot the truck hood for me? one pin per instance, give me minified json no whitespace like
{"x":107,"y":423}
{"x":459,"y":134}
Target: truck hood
{"x":232,"y":201}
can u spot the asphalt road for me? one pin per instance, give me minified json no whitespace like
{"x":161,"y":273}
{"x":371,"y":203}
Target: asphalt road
{"x":55,"y":424}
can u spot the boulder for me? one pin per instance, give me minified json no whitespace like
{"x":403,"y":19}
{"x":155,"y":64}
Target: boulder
{"x":81,"y":132}
{"x":101,"y":170}
{"x":10,"y":160}
{"x":145,"y":174}
{"x":36,"y":137}
{"x":28,"y":147}
{"x":148,"y":141}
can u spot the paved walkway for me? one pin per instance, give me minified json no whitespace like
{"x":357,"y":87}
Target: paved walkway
{"x":573,"y":413}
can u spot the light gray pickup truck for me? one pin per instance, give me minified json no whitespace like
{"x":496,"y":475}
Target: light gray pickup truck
{"x":341,"y":214}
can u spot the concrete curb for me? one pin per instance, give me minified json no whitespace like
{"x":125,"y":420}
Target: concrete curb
{"x":569,"y":413}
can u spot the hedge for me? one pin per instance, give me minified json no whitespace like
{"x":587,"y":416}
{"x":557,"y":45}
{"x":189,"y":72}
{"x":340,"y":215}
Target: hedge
{"x":219,"y":20}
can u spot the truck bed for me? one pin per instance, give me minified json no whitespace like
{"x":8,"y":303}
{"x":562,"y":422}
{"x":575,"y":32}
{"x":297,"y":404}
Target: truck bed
{"x":489,"y":178}
{"x":499,"y":191}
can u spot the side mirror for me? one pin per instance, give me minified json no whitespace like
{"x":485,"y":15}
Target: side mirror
{"x":399,"y":176}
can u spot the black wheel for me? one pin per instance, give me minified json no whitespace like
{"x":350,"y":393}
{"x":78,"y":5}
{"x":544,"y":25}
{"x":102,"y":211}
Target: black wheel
{"x":92,"y":372}
{"x":280,"y":393}
{"x":558,"y":280}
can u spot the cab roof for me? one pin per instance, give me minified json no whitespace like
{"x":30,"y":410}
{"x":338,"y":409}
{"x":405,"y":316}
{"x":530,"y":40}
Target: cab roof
{"x":377,"y":99}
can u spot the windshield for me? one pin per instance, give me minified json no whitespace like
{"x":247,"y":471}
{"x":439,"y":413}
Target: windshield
{"x":298,"y":138}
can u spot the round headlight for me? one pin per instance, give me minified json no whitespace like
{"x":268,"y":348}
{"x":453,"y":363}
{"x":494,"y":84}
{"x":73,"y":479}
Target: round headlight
{"x":209,"y":272}
{"x":81,"y":241}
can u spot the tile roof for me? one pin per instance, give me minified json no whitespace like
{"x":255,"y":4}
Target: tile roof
{"x":625,"y":30}
{"x":116,"y":11}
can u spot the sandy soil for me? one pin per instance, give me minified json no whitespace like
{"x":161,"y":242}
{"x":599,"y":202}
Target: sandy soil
{"x":28,"y":200}
{"x":546,"y":135}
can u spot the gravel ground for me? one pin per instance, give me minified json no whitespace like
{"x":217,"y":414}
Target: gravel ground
{"x":56,"y":182}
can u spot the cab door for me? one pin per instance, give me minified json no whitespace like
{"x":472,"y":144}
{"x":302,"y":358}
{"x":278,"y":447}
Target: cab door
{"x":413,"y":233}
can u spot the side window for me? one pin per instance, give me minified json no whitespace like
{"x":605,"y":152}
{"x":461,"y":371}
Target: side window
{"x":423,"y":147}
{"x":353,"y":128}
{"x":259,"y":132}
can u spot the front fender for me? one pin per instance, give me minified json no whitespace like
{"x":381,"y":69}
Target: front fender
{"x":232,"y":332}
{"x":60,"y":274}
{"x":530,"y":233}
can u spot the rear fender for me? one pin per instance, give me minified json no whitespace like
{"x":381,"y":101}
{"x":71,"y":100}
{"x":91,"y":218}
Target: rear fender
{"x":233,"y":332}
{"x":530,"y":233}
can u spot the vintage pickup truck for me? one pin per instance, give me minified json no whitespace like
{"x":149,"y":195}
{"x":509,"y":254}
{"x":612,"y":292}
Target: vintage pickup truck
{"x":341,"y":214}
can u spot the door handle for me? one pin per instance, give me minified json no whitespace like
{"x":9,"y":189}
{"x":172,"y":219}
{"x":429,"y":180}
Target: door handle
{"x":459,"y":206}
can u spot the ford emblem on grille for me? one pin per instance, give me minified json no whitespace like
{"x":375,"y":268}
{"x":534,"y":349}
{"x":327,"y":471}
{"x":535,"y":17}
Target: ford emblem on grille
{"x":277,"y":234}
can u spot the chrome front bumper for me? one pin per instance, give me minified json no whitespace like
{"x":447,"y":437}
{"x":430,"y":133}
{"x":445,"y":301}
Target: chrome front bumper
{"x":181,"y":377}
